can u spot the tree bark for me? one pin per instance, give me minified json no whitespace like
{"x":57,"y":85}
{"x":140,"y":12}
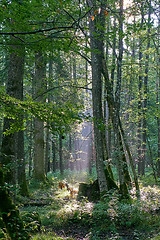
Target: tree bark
{"x":61,"y":167}
{"x":158,"y":99}
{"x":144,"y":134}
{"x":53,"y":156}
{"x":39,"y":160}
{"x":139,"y":130}
{"x":97,"y":53}
{"x":13,"y":144}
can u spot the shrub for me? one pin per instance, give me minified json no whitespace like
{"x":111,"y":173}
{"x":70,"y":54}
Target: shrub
{"x":101,"y":218}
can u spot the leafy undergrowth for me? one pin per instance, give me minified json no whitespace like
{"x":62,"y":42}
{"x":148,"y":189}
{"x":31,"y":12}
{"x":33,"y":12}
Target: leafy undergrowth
{"x":58,"y":215}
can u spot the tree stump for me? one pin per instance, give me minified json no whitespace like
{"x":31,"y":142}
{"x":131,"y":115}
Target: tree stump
{"x":91,"y":191}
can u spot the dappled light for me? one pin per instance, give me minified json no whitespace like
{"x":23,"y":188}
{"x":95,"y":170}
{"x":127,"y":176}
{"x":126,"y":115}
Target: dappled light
{"x":106,"y":219}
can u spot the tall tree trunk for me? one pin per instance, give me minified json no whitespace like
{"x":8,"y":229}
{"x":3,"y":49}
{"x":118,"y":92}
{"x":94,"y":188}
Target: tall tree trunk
{"x":39,"y":160}
{"x":139,"y":130}
{"x":61,"y":165}
{"x":53,"y":155}
{"x":97,"y":53}
{"x":158,"y":118}
{"x":47,"y":145}
{"x":30,"y":147}
{"x":47,"y":150}
{"x":20,"y":135}
{"x":13,"y":144}
{"x":144,"y":134}
{"x":158,"y":97}
{"x":113,"y":67}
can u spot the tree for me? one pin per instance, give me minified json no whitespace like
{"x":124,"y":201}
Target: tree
{"x":13,"y":143}
{"x":97,"y":27}
{"x":40,"y":86}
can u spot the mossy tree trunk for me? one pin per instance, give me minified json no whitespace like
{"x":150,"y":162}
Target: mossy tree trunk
{"x":10,"y":214}
{"x":97,"y":29}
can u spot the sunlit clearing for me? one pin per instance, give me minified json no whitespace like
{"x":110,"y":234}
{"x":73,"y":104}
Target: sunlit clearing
{"x":75,"y":206}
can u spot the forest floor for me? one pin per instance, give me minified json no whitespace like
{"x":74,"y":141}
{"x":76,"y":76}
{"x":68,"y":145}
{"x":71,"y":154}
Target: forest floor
{"x":53,"y":213}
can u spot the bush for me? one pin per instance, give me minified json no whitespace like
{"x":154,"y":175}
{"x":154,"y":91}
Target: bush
{"x":129,"y":215}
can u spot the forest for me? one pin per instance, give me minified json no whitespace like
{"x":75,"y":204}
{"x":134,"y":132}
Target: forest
{"x":80,"y":119}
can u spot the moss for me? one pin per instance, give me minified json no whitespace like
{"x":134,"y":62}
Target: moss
{"x":10,"y":214}
{"x":123,"y":192}
{"x":91,"y":191}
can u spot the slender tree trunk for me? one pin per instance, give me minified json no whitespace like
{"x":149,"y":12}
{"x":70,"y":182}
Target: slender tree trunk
{"x":53,"y":156}
{"x":144,"y":134}
{"x":47,"y":150}
{"x":139,"y":130}
{"x":158,"y":98}
{"x":23,"y":187}
{"x":158,"y":123}
{"x":61,"y":165}
{"x":47,"y":146}
{"x":130,"y":160}
{"x":30,"y":147}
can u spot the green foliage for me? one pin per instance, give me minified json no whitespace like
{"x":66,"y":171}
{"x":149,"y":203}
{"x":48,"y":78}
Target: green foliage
{"x":131,"y":216}
{"x":149,"y":180}
{"x":157,"y":237}
{"x":31,"y":221}
{"x":101,"y":219}
{"x":48,"y":236}
{"x":61,"y":117}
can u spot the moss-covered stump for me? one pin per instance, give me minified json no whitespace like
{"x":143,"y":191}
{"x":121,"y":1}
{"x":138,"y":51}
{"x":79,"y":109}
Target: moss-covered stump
{"x":32,"y":221}
{"x":91,"y":191}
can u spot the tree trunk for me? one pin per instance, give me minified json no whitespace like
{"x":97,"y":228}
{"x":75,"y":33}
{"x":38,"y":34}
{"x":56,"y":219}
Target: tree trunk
{"x":13,"y":144}
{"x":139,"y":130}
{"x":20,"y":135}
{"x":158,"y":99}
{"x":130,"y":160}
{"x":61,"y":167}
{"x":23,"y":187}
{"x":10,"y":214}
{"x":30,"y":147}
{"x":144,"y":134}
{"x":97,"y":52}
{"x":53,"y":156}
{"x":121,"y":161}
{"x":47,"y":150}
{"x":39,"y":160}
